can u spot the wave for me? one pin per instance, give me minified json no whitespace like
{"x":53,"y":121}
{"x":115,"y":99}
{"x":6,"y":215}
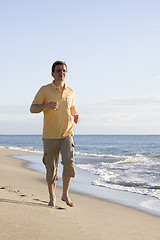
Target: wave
{"x":134,"y":177}
{"x":154,"y":187}
{"x":122,"y":159}
{"x":133,"y":189}
{"x":109,"y":156}
{"x":137,"y":159}
{"x":94,"y":154}
{"x":25,"y":149}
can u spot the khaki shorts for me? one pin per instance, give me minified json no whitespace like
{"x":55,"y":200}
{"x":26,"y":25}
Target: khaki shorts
{"x":52,"y":148}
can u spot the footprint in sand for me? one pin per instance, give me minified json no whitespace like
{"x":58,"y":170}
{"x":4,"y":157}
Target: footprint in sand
{"x":9,"y":189}
{"x":37,"y":199}
{"x":23,"y":195}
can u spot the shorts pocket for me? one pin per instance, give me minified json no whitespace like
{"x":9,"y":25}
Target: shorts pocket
{"x":67,"y":151}
{"x":44,"y":159}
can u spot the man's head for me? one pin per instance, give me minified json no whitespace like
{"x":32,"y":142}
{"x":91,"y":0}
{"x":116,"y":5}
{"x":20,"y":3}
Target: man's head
{"x":58,"y":63}
{"x":59,"y":70}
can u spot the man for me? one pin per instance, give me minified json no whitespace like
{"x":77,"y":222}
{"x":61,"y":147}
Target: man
{"x":56,"y":100}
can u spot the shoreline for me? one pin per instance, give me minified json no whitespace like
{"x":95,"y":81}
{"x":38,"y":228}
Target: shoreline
{"x":82,"y":185}
{"x":26,"y":215}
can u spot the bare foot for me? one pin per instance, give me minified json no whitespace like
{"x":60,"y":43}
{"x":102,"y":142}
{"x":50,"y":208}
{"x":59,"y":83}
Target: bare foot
{"x":52,"y":202}
{"x":67,"y":200}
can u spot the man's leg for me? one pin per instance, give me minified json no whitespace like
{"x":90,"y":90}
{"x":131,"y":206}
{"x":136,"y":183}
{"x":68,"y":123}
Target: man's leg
{"x":67,"y":151}
{"x":50,"y":159}
{"x":52,"y":188}
{"x":66,"y":186}
{"x":52,"y":196}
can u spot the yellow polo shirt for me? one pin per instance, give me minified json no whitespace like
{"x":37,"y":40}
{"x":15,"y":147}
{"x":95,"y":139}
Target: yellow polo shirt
{"x":57,"y":123}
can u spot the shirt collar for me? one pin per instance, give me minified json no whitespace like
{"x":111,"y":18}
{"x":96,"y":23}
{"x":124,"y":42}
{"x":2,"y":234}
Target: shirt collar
{"x":55,"y":87}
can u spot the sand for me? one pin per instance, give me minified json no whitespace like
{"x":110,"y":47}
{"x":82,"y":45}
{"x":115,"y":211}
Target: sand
{"x":25,"y":214}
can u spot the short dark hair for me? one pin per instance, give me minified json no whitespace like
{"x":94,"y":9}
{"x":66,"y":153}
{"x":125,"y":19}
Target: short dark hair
{"x":58,"y":63}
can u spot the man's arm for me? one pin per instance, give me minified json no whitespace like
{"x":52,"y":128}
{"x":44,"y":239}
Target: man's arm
{"x":37,"y":108}
{"x":74,"y":114}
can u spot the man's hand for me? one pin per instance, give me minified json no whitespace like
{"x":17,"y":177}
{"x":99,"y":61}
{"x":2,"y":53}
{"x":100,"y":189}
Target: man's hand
{"x":75,"y":114}
{"x":52,"y":105}
{"x":37,"y":108}
{"x":76,"y":118}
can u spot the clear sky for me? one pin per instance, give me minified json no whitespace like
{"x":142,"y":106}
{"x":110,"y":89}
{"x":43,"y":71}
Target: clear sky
{"x":111,"y":47}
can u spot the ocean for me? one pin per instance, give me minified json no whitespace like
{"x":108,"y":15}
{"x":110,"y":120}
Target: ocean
{"x":120,"y":168}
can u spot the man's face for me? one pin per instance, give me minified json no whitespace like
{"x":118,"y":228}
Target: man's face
{"x":59,"y":73}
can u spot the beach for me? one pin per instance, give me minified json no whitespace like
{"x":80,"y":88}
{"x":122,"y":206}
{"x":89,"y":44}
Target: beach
{"x":25,"y":213}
